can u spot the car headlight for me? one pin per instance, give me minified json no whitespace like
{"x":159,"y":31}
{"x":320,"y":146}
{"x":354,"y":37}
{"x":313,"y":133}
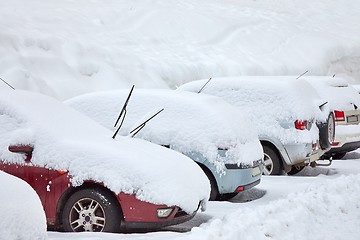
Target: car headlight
{"x":164,"y":212}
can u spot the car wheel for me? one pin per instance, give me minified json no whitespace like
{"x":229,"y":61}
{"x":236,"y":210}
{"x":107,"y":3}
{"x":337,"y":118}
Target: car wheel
{"x":91,"y":210}
{"x":327,"y":132}
{"x":295,"y":170}
{"x":339,"y":155}
{"x":272,"y":161}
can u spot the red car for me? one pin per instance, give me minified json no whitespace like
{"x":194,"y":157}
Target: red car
{"x":88,"y":181}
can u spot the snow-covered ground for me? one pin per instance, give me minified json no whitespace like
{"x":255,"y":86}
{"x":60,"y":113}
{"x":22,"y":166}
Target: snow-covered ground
{"x":67,"y":47}
{"x":318,"y":203}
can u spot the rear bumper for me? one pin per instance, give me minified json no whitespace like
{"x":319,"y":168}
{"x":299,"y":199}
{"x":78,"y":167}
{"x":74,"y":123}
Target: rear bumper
{"x":238,"y":179}
{"x":303,"y":152}
{"x":346,"y":147}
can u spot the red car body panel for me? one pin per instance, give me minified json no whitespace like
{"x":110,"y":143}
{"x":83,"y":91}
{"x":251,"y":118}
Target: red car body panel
{"x":52,"y":187}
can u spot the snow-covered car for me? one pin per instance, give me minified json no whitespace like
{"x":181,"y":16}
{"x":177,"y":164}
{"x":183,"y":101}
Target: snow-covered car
{"x":88,"y":181}
{"x":287,"y":113}
{"x":206,"y":128}
{"x":344,"y":101}
{"x":22,"y":215}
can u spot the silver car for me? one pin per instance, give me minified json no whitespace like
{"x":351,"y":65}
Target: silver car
{"x":294,"y":125}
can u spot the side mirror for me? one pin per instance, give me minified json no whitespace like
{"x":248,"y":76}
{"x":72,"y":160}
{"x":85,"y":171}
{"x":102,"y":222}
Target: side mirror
{"x":27,"y":150}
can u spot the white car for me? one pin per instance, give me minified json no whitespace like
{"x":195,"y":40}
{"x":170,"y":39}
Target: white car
{"x":205,"y":128}
{"x":344,"y":101}
{"x":89,"y":181}
{"x":287,"y":113}
{"x":22,"y":214}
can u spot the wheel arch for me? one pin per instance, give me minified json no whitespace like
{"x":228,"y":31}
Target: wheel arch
{"x":273,"y":146}
{"x":208,"y":173}
{"x":71,"y":190}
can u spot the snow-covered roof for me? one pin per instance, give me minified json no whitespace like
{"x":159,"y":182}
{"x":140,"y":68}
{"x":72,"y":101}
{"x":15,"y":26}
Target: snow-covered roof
{"x":189,"y":123}
{"x":65,"y":139}
{"x":337,"y":91}
{"x":270,"y":102}
{"x":22,"y":215}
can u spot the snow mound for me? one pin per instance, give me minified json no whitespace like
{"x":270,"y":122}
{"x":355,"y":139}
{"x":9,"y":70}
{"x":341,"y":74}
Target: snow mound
{"x":329,"y":210}
{"x":71,"y":47}
{"x":22,"y":214}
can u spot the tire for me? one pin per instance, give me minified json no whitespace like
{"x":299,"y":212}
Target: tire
{"x":338,"y":155}
{"x":272,"y":161}
{"x":327,"y":132}
{"x":214,"y":193}
{"x":295,"y":170}
{"x":93,"y":210}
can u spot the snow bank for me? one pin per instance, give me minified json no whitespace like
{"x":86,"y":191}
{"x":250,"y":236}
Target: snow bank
{"x":273,"y":104}
{"x":65,"y":48}
{"x":189,"y":123}
{"x":65,"y":139}
{"x":22,"y":215}
{"x":330,"y":210}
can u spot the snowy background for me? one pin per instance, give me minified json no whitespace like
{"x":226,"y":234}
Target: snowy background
{"x":66,"y":47}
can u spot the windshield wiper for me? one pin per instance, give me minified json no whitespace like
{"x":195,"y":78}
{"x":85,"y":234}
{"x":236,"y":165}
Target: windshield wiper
{"x":122,"y":112}
{"x":7,"y":83}
{"x":204,"y":85}
{"x":142,"y":125}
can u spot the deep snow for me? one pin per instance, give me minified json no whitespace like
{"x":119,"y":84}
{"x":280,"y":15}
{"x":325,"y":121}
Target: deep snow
{"x":22,"y":215}
{"x":64,"y":48}
{"x":64,"y":139}
{"x":189,"y":123}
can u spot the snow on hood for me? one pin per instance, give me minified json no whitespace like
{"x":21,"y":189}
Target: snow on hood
{"x":189,"y":123}
{"x":65,"y":139}
{"x":22,"y":215}
{"x":337,"y":91}
{"x":273,"y":104}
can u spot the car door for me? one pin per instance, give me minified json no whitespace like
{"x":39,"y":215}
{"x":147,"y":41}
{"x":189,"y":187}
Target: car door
{"x":36,"y":177}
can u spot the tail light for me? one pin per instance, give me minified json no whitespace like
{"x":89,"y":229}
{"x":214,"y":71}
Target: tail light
{"x":339,"y":116}
{"x":301,"y":125}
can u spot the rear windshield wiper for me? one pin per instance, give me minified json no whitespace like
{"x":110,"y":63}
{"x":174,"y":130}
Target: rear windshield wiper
{"x":142,"y":125}
{"x":122,"y":112}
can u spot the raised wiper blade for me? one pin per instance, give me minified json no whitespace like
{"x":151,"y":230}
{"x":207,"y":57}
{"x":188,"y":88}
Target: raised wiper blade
{"x":122,"y":112}
{"x":142,"y":125}
{"x":7,"y":84}
{"x":204,"y":85}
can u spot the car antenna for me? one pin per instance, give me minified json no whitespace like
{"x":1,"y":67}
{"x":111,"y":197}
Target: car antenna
{"x":303,"y":74}
{"x":122,"y":112}
{"x":7,"y":83}
{"x":142,"y":125}
{"x":204,"y":85}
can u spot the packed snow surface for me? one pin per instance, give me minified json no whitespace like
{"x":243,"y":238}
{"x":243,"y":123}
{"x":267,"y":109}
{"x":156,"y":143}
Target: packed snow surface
{"x":189,"y":123}
{"x":66,"y":139}
{"x":64,"y":48}
{"x":273,"y":104}
{"x":22,"y":215}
